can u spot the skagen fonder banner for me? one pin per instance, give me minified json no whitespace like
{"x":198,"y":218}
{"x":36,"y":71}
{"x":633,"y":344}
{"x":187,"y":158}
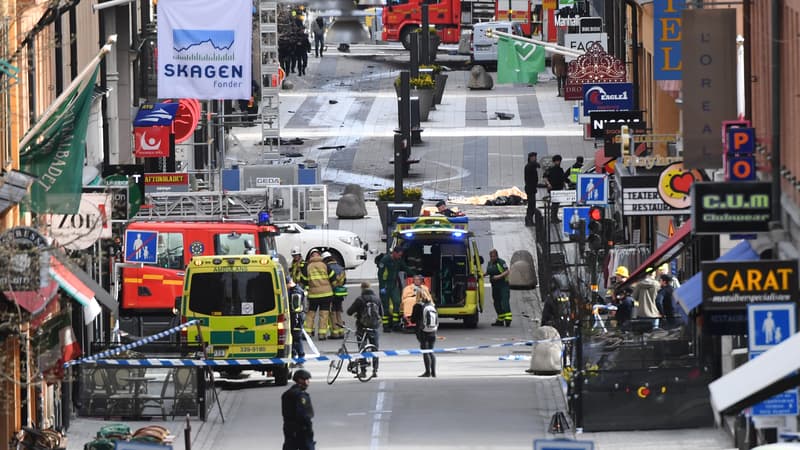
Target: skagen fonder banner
{"x":204,"y":49}
{"x":708,"y":41}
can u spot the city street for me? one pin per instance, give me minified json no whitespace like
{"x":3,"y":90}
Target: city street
{"x":480,"y":399}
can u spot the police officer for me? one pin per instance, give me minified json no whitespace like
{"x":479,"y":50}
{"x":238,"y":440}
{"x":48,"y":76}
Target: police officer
{"x":389,"y":267}
{"x":297,"y":270}
{"x":497,"y":270}
{"x":339,"y":294}
{"x":575,"y":170}
{"x":298,"y":432}
{"x":320,"y":294}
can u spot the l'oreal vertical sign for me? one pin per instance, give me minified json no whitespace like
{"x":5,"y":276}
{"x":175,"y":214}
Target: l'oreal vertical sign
{"x":205,"y":49}
{"x":667,"y":39}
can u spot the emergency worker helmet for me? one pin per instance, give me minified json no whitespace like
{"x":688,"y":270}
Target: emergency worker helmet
{"x":622,"y":271}
{"x":295,"y":250}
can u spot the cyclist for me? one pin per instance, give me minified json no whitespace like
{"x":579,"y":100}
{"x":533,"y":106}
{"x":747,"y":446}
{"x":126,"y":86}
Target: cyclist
{"x":369,"y":311}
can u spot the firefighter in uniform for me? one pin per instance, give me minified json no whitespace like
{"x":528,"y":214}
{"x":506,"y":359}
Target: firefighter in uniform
{"x":339,"y":294}
{"x":320,"y":294}
{"x":297,"y":270}
{"x":298,"y":431}
{"x":574,"y":171}
{"x":389,"y":267}
{"x":497,"y":271}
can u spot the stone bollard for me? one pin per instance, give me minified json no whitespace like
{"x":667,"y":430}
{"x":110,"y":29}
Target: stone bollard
{"x":287,"y":85}
{"x":479,"y":79}
{"x":464,"y":44}
{"x":546,"y":353}
{"x":351,"y":205}
{"x":522,"y":271}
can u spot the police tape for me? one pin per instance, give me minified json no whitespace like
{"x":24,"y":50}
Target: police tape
{"x":132,"y":345}
{"x":188,"y":362}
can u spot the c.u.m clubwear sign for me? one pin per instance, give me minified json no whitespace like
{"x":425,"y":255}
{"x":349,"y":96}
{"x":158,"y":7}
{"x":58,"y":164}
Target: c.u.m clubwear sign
{"x":204,"y":49}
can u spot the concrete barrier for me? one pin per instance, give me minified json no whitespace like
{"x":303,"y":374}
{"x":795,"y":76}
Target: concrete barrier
{"x":479,"y":79}
{"x":351,"y":205}
{"x":546,"y":356}
{"x":522,"y":271}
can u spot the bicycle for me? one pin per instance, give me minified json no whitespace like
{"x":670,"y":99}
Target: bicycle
{"x":355,"y":366}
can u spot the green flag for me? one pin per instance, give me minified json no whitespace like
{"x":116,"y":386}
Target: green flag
{"x":55,"y":154}
{"x":518,"y":62}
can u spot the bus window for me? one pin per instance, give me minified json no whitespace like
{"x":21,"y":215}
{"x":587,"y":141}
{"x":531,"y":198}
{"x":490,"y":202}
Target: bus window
{"x":170,"y":251}
{"x":231,"y":293}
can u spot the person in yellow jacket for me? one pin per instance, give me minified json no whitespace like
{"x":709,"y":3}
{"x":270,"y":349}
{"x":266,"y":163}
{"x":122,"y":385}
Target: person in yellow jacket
{"x":339,"y":294}
{"x":320,"y":294}
{"x":297,"y":270}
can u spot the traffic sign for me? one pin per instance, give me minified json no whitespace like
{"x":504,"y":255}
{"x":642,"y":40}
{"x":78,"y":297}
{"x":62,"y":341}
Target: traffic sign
{"x":140,"y":246}
{"x":562,"y":444}
{"x":592,"y":189}
{"x":573,"y":215}
{"x":769,"y":324}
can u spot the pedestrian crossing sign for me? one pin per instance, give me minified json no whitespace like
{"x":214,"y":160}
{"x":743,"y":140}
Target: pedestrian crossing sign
{"x":769,"y":324}
{"x":592,"y":189}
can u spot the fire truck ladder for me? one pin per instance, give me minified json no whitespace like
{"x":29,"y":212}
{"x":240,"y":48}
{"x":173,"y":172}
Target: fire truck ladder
{"x":305,"y":203}
{"x":203,"y":205}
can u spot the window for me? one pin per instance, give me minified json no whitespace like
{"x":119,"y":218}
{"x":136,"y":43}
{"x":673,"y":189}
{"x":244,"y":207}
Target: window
{"x":234,"y":243}
{"x":231,"y":293}
{"x":170,"y":251}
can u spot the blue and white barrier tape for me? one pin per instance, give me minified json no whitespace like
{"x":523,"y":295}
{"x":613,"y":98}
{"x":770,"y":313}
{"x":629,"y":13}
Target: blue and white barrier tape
{"x":132,"y":345}
{"x":185,"y":362}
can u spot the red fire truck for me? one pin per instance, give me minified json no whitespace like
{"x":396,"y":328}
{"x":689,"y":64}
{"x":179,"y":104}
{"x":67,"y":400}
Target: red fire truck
{"x":524,"y":12}
{"x":148,"y":291}
{"x":450,"y":17}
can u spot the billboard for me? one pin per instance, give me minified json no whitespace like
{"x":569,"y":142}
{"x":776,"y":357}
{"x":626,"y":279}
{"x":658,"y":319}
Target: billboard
{"x":205,"y":49}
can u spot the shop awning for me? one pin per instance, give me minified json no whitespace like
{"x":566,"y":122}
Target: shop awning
{"x":80,"y":286}
{"x":690,"y":294}
{"x":665,"y":252}
{"x":773,"y":372}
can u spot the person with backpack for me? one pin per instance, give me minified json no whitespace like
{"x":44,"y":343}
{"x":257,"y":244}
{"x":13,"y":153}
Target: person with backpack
{"x":427,"y":319}
{"x":369,"y":315}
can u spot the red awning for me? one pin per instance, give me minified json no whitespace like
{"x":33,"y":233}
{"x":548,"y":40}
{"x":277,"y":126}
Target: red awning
{"x":665,"y":252}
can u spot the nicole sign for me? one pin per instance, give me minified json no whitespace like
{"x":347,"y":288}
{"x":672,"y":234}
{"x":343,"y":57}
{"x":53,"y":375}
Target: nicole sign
{"x":204,"y":49}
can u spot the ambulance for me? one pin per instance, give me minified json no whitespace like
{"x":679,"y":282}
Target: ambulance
{"x":445,"y":252}
{"x":242,"y":304}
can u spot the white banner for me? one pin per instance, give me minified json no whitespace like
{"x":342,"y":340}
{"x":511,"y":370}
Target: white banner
{"x":204,"y":49}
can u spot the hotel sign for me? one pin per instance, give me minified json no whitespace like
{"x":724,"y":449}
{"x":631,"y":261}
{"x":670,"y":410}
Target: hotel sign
{"x":667,"y":39}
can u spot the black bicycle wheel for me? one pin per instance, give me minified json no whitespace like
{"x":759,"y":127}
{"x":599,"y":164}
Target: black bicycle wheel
{"x":366,"y":365}
{"x":335,"y":367}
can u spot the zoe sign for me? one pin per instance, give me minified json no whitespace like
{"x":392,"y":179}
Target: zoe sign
{"x":81,"y":230}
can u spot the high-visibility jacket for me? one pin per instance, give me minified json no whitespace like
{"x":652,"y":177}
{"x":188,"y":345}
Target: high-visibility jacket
{"x":339,"y":279}
{"x":573,"y":174}
{"x":298,"y":272}
{"x":319,"y":279}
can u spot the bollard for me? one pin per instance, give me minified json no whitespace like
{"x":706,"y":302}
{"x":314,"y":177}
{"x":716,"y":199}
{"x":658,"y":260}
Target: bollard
{"x":187,"y":434}
{"x":576,"y":112}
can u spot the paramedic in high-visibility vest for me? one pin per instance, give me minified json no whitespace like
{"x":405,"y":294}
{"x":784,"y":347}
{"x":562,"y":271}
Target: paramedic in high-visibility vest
{"x":339,"y":294}
{"x":320,"y":294}
{"x":497,"y":271}
{"x":389,"y":268}
{"x":574,"y":171}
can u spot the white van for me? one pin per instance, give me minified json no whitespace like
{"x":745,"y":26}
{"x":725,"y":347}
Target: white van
{"x":484,"y":48}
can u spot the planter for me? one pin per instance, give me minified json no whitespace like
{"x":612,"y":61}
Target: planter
{"x":425,"y":102}
{"x":438,"y":88}
{"x":383,"y":212}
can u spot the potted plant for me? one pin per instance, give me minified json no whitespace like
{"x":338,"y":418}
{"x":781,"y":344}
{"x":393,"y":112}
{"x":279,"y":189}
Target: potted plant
{"x":439,"y":82}
{"x":412,"y":195}
{"x":423,"y":87}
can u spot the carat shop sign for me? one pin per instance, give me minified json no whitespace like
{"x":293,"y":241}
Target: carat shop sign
{"x":204,"y":49}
